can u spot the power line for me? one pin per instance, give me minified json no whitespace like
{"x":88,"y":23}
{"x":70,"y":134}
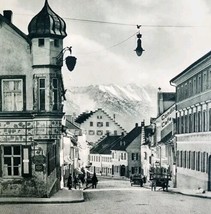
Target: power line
{"x":123,"y":24}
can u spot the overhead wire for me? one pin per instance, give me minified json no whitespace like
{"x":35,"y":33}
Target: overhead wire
{"x":120,"y":24}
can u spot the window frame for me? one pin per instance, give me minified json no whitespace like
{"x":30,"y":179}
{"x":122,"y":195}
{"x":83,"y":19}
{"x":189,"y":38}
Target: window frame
{"x":13,"y":77}
{"x":12,"y":156}
{"x":39,"y":94}
{"x":41,"y":42}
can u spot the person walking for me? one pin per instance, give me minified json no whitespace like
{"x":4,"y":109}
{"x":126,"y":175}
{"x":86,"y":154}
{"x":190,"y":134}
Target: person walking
{"x":94,"y":181}
{"x":69,"y":182}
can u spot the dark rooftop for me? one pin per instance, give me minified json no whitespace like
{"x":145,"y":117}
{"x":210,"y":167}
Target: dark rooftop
{"x":105,"y":146}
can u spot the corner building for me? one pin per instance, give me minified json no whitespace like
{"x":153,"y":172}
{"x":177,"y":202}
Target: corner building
{"x":31,"y":106}
{"x":193,"y":121}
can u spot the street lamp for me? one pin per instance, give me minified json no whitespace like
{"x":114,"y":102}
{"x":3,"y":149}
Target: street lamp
{"x":70,"y":60}
{"x":139,"y":50}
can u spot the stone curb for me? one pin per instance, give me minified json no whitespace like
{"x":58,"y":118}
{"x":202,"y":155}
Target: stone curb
{"x":40,"y":200}
{"x":191,"y":195}
{"x":182,"y":193}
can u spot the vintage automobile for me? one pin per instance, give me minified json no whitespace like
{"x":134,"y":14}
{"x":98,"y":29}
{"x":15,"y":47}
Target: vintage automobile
{"x":136,"y":180}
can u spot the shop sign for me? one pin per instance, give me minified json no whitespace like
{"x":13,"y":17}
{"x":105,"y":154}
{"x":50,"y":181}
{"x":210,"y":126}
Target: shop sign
{"x":166,"y":118}
{"x":39,"y":159}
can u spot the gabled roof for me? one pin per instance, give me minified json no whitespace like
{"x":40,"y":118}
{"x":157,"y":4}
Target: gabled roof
{"x":70,"y":124}
{"x":105,"y":146}
{"x":86,"y":115}
{"x":191,"y":66}
{"x":128,"y":139}
{"x":83,"y":117}
{"x":17,"y":30}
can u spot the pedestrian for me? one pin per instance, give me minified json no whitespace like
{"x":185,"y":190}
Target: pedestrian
{"x":94,"y":181}
{"x":69,"y":182}
{"x":75,"y":181}
{"x":153,"y":185}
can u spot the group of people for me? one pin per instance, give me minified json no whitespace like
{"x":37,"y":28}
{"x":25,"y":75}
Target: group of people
{"x":79,"y":180}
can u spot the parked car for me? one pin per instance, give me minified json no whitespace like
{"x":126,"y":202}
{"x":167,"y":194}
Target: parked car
{"x":136,"y":180}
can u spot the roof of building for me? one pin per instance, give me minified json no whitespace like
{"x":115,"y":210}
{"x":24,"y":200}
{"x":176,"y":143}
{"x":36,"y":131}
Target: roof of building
{"x":17,"y":30}
{"x":128,"y":139}
{"x":191,"y":66}
{"x":83,"y":117}
{"x":86,"y":115}
{"x":70,"y":123}
{"x":47,"y":23}
{"x":105,"y":145}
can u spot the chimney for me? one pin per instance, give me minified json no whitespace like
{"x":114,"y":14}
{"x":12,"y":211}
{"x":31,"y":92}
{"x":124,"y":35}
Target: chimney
{"x":143,"y":123}
{"x":8,"y":15}
{"x":136,"y":124}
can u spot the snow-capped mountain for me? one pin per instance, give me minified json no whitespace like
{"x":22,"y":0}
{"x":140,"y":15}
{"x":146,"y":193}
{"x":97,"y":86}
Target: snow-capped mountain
{"x":128,"y":105}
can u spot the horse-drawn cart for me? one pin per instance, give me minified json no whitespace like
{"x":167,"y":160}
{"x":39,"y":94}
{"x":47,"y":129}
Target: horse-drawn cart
{"x":160,"y":176}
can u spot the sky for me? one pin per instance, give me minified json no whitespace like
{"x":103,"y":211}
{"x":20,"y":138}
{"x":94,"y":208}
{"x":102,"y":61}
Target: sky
{"x":174,"y":35}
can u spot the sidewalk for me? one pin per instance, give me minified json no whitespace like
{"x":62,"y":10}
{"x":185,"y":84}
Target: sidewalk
{"x":187,"y":192}
{"x":62,"y":196}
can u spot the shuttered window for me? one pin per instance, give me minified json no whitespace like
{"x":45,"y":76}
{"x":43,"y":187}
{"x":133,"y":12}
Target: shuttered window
{"x":16,"y":161}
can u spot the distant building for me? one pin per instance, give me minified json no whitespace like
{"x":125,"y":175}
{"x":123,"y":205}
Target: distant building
{"x":163,"y":146}
{"x":96,"y":124}
{"x":100,"y":155}
{"x":31,"y":110}
{"x":193,"y":124}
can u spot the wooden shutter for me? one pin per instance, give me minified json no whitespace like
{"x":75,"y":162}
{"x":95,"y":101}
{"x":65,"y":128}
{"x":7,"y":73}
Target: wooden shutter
{"x":26,"y":161}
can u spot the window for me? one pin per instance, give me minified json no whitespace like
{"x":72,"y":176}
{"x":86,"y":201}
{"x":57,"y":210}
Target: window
{"x":42,"y":94}
{"x":115,"y":132}
{"x":99,"y":132}
{"x":121,"y":156}
{"x":194,"y":85}
{"x":56,"y":43}
{"x":125,"y":156}
{"x":145,"y":156}
{"x":199,"y":84}
{"x":203,"y":162}
{"x":91,"y":123}
{"x":134,"y":156}
{"x":91,"y":132}
{"x":193,"y":160}
{"x":107,"y":124}
{"x":99,"y":124}
{"x":194,"y":122}
{"x":134,"y":170}
{"x":12,"y":95}
{"x":190,"y":123}
{"x":204,"y":121}
{"x":12,"y":161}
{"x":16,"y":161}
{"x":190,"y":88}
{"x":41,"y":42}
{"x":199,"y":121}
{"x":55,"y":94}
